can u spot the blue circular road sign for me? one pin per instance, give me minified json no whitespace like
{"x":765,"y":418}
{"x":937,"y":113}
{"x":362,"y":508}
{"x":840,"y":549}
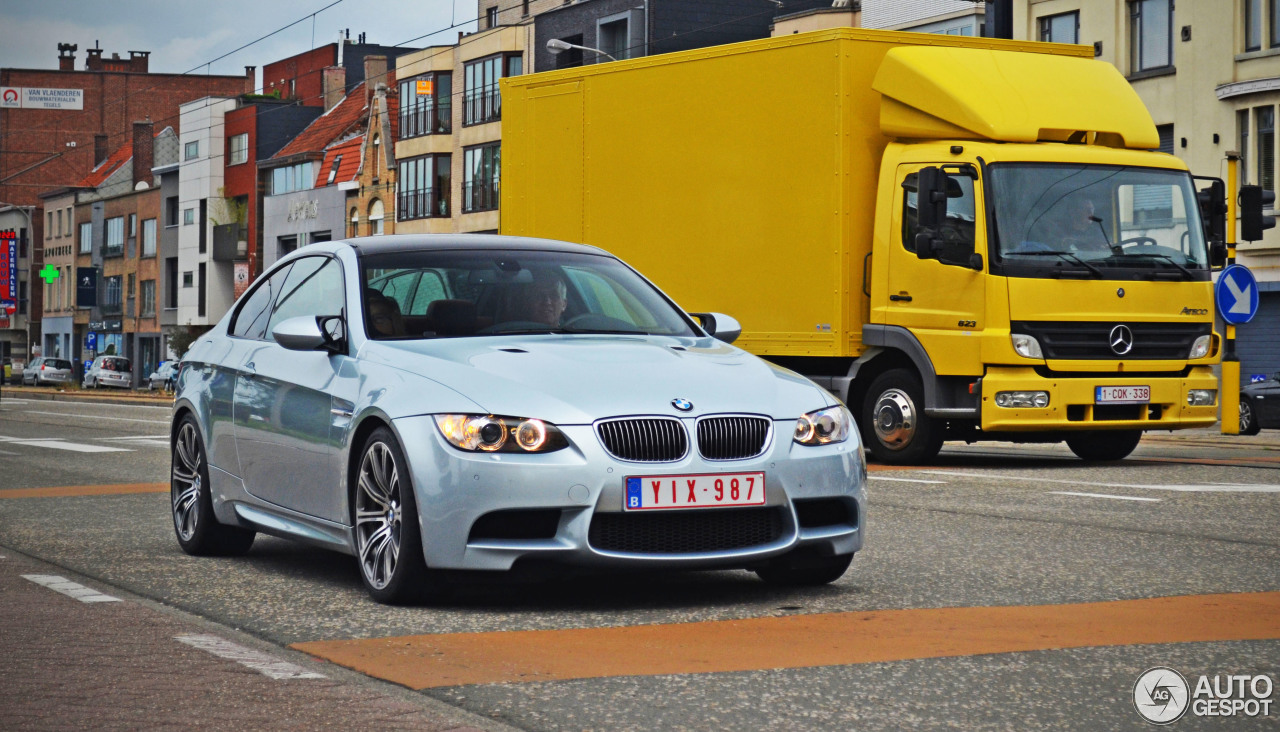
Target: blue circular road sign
{"x":1236,"y":294}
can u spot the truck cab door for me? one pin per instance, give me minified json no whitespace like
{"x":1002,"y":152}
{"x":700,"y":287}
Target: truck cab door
{"x":942,"y":301}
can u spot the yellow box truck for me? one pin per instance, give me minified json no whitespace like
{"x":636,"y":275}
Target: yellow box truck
{"x":963,"y":238}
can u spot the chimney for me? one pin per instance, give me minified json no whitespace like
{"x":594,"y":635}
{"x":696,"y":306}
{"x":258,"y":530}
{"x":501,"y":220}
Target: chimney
{"x":143,"y":151}
{"x":99,"y":148}
{"x":333,"y":80}
{"x":67,"y":56}
{"x":375,"y":73}
{"x":250,"y":75}
{"x":138,"y":61}
{"x":94,"y":60}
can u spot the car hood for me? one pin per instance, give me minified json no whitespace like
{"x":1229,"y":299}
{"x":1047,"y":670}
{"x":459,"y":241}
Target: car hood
{"x":579,"y":379}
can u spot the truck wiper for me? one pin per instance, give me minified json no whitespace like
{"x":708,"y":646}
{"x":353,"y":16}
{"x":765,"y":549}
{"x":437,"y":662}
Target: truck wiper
{"x":1166,"y":258}
{"x":1062,"y":255}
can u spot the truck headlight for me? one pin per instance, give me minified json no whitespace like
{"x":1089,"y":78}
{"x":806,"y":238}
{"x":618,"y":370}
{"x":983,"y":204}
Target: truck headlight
{"x":824,"y":426}
{"x":1034,"y":399}
{"x":487,"y":433}
{"x":1202,"y":397}
{"x":1200,"y":348}
{"x":1026,"y":345}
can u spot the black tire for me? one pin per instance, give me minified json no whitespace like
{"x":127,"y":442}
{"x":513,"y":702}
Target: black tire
{"x":894,"y":426}
{"x":190,"y":502}
{"x":1104,"y":445}
{"x":385,"y":518}
{"x":1248,"y":417}
{"x":804,"y":570}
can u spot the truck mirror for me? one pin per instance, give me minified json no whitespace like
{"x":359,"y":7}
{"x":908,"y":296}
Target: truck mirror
{"x":927,"y":246}
{"x":931,"y":198}
{"x":1253,"y":200}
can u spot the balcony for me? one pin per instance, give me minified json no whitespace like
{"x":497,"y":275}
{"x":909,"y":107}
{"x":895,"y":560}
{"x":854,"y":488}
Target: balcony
{"x":421,"y":205}
{"x":230,"y":242}
{"x":481,"y":105}
{"x":481,"y":195}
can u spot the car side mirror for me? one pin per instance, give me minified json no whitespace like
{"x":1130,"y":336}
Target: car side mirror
{"x":719,"y":326}
{"x":307,"y":333}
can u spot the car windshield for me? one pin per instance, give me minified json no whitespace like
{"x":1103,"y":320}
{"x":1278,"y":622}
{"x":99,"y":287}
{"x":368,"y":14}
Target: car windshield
{"x":434,"y":294}
{"x":1109,"y":222}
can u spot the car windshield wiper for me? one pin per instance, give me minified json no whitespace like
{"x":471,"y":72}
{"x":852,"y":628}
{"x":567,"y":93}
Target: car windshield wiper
{"x":1062,"y":255}
{"x":1163,"y":258}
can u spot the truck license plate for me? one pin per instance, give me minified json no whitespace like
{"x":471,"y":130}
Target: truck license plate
{"x":1122,"y":395}
{"x":648,"y":492}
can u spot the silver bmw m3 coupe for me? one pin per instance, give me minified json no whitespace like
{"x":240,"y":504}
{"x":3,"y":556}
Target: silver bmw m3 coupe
{"x":466,"y":402}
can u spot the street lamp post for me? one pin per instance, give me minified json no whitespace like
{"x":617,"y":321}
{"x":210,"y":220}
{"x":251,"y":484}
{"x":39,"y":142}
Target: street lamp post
{"x":556,"y":46}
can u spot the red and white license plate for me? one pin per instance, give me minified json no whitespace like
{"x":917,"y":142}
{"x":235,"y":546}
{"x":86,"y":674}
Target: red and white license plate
{"x":649,"y":492}
{"x":1122,"y":395}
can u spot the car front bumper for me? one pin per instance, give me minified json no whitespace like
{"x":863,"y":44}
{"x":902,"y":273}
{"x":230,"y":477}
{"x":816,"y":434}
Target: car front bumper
{"x":584,"y":484}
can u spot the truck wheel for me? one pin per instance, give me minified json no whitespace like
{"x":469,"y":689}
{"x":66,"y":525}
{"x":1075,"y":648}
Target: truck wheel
{"x":1248,"y":418}
{"x":894,"y":425}
{"x":1104,"y":445}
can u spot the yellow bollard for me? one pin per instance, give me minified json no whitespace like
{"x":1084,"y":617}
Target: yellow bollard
{"x":1231,"y":397}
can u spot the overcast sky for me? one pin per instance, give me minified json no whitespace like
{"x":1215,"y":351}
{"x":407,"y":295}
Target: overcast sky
{"x":183,"y":35}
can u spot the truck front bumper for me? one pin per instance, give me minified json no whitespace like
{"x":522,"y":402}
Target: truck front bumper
{"x":1072,"y":404}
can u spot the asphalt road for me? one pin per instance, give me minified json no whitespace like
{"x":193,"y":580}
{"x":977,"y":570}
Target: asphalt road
{"x":1005,"y":587}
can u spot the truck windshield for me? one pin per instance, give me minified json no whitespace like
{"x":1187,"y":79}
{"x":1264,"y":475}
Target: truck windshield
{"x":1109,"y":222}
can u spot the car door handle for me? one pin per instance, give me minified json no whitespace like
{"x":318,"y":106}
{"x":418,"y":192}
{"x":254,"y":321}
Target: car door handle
{"x":900,"y":298}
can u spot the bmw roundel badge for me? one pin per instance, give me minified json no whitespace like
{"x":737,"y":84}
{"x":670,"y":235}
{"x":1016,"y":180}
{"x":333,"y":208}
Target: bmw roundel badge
{"x":683,"y":405}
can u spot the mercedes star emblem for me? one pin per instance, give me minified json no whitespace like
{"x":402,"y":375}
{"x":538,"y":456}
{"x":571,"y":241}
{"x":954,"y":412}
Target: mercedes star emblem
{"x":1121,"y":340}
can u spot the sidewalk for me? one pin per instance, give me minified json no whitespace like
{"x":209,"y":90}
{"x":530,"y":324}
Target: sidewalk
{"x":78,"y":659}
{"x":99,"y":396}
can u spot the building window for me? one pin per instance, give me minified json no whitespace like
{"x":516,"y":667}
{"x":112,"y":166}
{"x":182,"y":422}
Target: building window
{"x":188,"y":216}
{"x":171,"y":283}
{"x":1242,"y":122}
{"x":422,"y":187}
{"x":333,"y":170}
{"x":480,"y":176}
{"x":491,"y":17}
{"x":1165,"y":133}
{"x":291,"y":178}
{"x":86,"y":237}
{"x":238,"y":149}
{"x":355,"y":222}
{"x":49,"y":224}
{"x":171,"y":211}
{"x":1252,"y":25}
{"x":187,"y":279}
{"x":148,"y":299}
{"x":480,"y":100}
{"x":1265,"y":123}
{"x":1150,"y":35}
{"x":614,"y":38}
{"x":114,"y":246}
{"x":1064,"y":28}
{"x":426,"y":105}
{"x":149,"y":237}
{"x":192,"y":150}
{"x":111,"y":301}
{"x":375,"y":217}
{"x":60,"y":212}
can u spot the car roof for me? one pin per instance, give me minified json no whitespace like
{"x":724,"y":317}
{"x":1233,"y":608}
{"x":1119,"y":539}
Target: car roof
{"x":396,"y":243}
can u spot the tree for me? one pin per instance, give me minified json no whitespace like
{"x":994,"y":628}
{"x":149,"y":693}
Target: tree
{"x":183,"y":336}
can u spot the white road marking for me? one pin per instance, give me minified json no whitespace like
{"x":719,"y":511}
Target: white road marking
{"x":905,"y":480}
{"x":1187,"y":488}
{"x":69,"y":588}
{"x":1104,"y":495}
{"x":256,"y":660}
{"x":98,"y":417}
{"x":58,"y":444}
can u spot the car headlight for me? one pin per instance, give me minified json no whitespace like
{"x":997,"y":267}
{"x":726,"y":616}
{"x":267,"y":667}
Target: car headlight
{"x":824,"y":426}
{"x":1026,"y":345}
{"x":1200,"y":348}
{"x":489,"y":433}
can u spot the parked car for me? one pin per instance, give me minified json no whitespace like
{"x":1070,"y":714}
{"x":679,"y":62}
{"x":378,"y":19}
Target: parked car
{"x":47,"y":372}
{"x":17,"y":369}
{"x":109,"y":371}
{"x":1260,"y":406}
{"x":163,"y":377}
{"x":550,"y":405}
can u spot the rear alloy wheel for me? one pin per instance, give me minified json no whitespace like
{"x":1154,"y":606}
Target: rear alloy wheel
{"x":804,"y":570}
{"x":198,"y":530}
{"x":388,"y":537}
{"x":894,"y":426}
{"x":1104,"y":445}
{"x":1248,"y":419}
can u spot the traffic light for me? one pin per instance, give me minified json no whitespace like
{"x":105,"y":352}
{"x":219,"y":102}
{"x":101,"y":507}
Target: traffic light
{"x":1213,"y":209}
{"x":1253,"y":201}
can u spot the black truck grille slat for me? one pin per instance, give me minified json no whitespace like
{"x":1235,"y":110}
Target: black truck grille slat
{"x":1092,"y":340}
{"x":685,"y":532}
{"x":645,"y":440}
{"x":732,"y":438}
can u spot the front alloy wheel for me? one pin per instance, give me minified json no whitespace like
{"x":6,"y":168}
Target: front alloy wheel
{"x":388,"y":541}
{"x":198,"y":530}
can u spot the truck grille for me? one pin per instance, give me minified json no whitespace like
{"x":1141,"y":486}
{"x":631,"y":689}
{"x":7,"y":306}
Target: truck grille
{"x":732,"y":438}
{"x":685,"y":532}
{"x":645,"y":440}
{"x":1086,"y":340}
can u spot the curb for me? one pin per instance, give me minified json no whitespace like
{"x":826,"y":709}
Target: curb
{"x":19,"y":392}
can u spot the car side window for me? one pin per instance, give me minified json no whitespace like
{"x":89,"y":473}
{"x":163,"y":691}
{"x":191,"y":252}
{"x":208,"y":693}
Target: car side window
{"x":313,"y":287}
{"x":251,"y":320}
{"x":430,"y":288}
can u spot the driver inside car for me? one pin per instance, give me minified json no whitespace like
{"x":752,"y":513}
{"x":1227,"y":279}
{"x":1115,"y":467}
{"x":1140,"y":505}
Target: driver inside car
{"x":541,"y":301}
